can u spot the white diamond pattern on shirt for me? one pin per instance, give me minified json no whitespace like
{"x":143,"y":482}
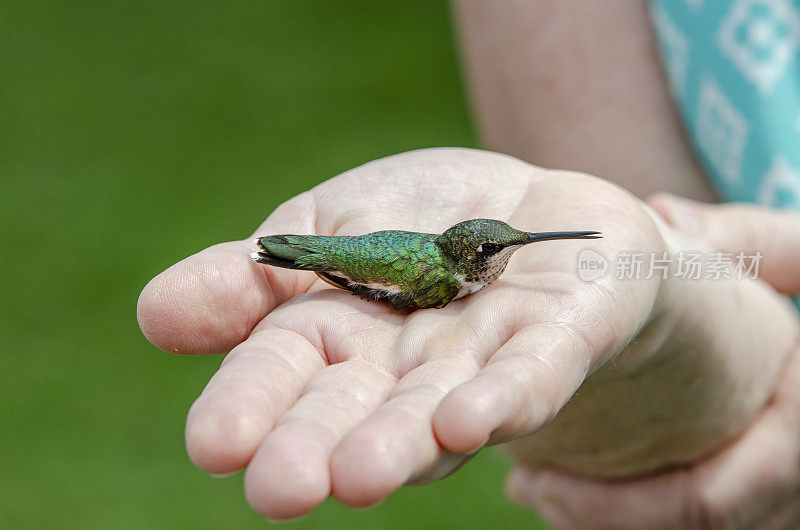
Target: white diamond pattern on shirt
{"x":760,"y":37}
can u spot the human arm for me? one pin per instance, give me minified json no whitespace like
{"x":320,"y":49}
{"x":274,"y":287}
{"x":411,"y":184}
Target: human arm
{"x":577,"y":85}
{"x":323,"y":393}
{"x":752,"y":482}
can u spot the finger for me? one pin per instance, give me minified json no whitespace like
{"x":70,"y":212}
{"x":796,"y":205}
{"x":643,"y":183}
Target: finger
{"x":396,"y":444}
{"x":731,"y":489}
{"x":763,"y":467}
{"x":524,"y":384}
{"x":210,"y":302}
{"x":289,"y":474}
{"x":258,"y":381}
{"x":742,"y":227}
{"x":652,"y":503}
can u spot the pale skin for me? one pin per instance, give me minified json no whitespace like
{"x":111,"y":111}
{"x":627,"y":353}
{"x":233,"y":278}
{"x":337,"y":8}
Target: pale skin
{"x":322,"y":393}
{"x":566,"y":83}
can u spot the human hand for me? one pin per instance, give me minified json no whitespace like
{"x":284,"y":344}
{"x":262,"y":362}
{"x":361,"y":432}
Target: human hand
{"x":323,"y":393}
{"x":755,"y":480}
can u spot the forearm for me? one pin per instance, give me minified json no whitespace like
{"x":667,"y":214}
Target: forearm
{"x":576,"y":85}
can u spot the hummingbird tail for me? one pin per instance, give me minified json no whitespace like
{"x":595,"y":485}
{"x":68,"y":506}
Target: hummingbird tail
{"x":286,"y":251}
{"x":547,"y":236}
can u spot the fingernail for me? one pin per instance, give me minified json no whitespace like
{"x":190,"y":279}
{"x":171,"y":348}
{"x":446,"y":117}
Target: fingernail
{"x":552,"y":507}
{"x":531,"y":489}
{"x":515,"y":485}
{"x":525,"y":487}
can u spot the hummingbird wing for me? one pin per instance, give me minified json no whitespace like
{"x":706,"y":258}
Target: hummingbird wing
{"x":435,"y":289}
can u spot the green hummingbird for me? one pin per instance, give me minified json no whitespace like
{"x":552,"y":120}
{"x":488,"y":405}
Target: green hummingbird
{"x":407,"y":268}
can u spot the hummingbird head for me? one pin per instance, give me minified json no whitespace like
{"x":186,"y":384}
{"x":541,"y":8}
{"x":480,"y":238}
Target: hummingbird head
{"x":481,"y":248}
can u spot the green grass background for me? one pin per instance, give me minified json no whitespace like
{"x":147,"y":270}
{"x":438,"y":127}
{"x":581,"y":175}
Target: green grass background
{"x":133,"y":134}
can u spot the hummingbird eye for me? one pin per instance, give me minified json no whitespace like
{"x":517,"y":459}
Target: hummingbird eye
{"x":487,"y":249}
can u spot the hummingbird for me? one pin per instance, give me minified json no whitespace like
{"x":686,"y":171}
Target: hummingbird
{"x":408,"y":269}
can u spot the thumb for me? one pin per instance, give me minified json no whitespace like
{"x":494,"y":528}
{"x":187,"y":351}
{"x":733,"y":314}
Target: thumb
{"x":744,"y":227}
{"x":211,"y":301}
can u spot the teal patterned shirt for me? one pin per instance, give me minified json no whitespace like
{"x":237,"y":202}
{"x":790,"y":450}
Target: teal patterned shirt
{"x":734,"y":70}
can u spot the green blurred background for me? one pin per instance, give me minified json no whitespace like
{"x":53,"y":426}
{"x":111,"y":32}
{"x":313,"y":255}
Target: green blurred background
{"x":133,"y":134}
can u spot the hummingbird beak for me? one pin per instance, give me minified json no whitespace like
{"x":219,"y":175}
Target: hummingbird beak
{"x":547,"y":236}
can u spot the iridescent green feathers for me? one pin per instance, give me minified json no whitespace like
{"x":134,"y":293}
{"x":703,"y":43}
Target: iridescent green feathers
{"x":402,"y":268}
{"x":407,"y":268}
